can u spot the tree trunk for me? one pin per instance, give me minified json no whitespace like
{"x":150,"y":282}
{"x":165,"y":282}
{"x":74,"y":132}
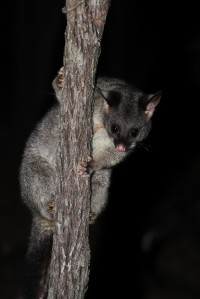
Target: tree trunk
{"x":69,"y":269}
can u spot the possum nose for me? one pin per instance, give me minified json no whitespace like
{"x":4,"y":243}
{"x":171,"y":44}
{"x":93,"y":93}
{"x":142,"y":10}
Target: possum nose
{"x":120,"y":148}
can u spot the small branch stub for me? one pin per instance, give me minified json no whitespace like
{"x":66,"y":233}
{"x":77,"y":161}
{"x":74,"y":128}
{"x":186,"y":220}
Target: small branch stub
{"x":66,"y":11}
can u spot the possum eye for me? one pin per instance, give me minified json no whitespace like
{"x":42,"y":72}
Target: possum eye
{"x":115,"y":129}
{"x":134,"y":132}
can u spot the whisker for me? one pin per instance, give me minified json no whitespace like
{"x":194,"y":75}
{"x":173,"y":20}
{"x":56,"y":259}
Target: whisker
{"x":147,"y":147}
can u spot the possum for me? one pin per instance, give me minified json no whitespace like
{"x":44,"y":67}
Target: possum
{"x":121,"y":118}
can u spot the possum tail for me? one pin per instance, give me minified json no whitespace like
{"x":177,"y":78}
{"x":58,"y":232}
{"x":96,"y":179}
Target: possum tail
{"x":36,"y":276}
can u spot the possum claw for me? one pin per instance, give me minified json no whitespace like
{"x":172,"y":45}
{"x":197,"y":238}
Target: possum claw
{"x":82,"y":169}
{"x":92,"y":218}
{"x":51,"y":206}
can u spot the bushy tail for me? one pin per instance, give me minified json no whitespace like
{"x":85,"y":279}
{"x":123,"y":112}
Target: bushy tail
{"x":36,"y":277}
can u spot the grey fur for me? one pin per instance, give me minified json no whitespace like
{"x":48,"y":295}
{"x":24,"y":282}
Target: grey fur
{"x":39,"y":172}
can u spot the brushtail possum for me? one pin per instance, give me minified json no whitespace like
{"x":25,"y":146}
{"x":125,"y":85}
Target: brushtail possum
{"x":121,"y":118}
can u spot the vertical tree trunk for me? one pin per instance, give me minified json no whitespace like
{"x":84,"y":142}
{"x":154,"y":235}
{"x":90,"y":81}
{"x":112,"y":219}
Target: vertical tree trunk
{"x":69,"y":270}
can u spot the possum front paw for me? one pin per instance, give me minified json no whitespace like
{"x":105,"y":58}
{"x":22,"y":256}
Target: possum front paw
{"x":83,"y":168}
{"x":58,"y":83}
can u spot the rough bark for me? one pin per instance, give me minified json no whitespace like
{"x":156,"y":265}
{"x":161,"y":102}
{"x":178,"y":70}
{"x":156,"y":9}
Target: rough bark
{"x":69,"y":270}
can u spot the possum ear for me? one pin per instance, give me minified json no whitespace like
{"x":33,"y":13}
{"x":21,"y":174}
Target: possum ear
{"x":111,"y":98}
{"x":150,"y":102}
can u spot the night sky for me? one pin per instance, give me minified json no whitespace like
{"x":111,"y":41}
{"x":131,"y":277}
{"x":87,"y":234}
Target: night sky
{"x":147,"y":242}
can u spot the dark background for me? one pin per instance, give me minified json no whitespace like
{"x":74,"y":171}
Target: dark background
{"x":147,"y":242}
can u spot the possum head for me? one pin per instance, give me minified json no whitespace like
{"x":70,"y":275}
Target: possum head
{"x":127,"y":114}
